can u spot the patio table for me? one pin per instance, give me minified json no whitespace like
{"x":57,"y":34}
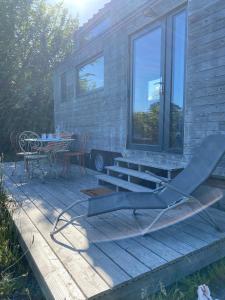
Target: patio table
{"x":50,"y":140}
{"x":52,"y":151}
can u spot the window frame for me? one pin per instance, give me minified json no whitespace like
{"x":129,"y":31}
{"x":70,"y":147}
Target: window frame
{"x":87,"y":62}
{"x":134,"y":37}
{"x":170,"y":76}
{"x":167,"y":59}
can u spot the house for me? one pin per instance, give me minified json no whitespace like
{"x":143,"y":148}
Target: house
{"x":147,"y":79}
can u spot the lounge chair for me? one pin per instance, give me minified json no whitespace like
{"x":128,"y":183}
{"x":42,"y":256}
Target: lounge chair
{"x":181,"y":190}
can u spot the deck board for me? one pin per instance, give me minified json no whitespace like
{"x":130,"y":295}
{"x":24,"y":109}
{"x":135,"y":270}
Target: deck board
{"x":71,"y":267}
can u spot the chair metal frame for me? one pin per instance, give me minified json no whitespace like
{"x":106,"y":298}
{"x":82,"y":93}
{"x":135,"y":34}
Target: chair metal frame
{"x":164,"y":184}
{"x":80,"y":154}
{"x":31,"y":151}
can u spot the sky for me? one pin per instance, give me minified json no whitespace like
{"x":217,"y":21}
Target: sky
{"x":84,"y":8}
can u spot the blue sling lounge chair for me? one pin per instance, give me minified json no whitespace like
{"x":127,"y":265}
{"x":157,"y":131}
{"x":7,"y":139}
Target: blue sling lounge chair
{"x":170,"y":195}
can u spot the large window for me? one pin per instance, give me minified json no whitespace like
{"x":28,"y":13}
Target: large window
{"x":158,"y":68}
{"x":146,"y":97}
{"x":91,"y":76}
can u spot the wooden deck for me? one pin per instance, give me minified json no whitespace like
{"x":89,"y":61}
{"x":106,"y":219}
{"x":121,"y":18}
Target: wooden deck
{"x":73,"y":268}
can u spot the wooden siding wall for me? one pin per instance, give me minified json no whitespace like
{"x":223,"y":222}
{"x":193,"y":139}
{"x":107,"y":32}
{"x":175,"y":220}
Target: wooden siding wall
{"x":103,"y":114}
{"x":205,"y":84}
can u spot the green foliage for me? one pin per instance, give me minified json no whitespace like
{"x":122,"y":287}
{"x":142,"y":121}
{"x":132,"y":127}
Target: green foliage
{"x":34,"y":38}
{"x":186,"y":289}
{"x":146,"y":124}
{"x":16,"y":280}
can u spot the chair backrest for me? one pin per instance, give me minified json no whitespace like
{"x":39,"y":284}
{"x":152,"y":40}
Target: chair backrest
{"x":29,"y":146}
{"x":14,"y":141}
{"x":79,"y":144}
{"x":201,"y":166}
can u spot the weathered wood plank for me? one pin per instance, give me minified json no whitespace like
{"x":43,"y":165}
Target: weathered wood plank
{"x":111,"y":272}
{"x":125,"y":260}
{"x":53,"y":278}
{"x":86,"y":277}
{"x":123,"y":254}
{"x":181,"y":247}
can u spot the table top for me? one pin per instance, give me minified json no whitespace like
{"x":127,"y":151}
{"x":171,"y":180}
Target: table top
{"x":47,"y":140}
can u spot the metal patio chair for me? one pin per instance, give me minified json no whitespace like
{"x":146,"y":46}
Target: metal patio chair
{"x":31,"y":147}
{"x":19,"y":147}
{"x":76,"y":150}
{"x":177,"y":194}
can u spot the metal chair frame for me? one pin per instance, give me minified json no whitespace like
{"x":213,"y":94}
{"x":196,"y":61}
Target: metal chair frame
{"x":164,"y":184}
{"x":31,"y":151}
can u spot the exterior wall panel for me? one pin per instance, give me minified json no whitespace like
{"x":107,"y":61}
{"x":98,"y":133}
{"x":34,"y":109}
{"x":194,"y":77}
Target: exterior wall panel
{"x":104,"y":114}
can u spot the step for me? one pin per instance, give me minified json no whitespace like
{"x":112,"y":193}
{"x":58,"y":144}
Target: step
{"x":163,"y":166}
{"x":123,"y":184}
{"x":133,"y":173}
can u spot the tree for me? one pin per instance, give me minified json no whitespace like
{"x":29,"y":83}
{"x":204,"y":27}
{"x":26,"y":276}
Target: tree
{"x":34,"y":38}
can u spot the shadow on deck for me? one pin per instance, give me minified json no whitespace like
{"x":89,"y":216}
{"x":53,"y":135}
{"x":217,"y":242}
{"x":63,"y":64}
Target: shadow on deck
{"x":71,"y":267}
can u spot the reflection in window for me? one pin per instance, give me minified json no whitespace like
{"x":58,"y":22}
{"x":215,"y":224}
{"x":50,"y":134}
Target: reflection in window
{"x":91,"y":76}
{"x":147,"y":85}
{"x":178,"y":68}
{"x":97,"y":29}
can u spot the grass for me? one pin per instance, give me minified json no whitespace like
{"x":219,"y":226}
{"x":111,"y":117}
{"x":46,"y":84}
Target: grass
{"x":186,"y":289}
{"x":16,"y":279}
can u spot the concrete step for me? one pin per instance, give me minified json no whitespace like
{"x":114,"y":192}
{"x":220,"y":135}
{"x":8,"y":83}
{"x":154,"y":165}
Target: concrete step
{"x":133,"y":173}
{"x":122,"y":183}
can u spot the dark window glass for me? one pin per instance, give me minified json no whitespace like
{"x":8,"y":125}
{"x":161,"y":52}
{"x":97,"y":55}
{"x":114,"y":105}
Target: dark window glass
{"x":97,"y":29}
{"x":63,"y":88}
{"x":178,"y":70}
{"x":146,"y":88}
{"x":91,"y":76}
{"x":158,"y":85}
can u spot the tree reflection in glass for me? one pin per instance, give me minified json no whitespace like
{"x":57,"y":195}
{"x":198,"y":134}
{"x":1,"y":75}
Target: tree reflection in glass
{"x":146,"y":88}
{"x":91,"y":76}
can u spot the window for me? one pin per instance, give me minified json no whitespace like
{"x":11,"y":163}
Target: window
{"x":158,"y":75}
{"x":177,"y":93}
{"x":146,"y":96}
{"x":98,"y":29}
{"x":91,"y":76}
{"x":67,"y":86}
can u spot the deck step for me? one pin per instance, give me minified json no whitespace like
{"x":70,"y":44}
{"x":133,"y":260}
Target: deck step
{"x":123,"y":184}
{"x":133,"y":173}
{"x":163,"y":166}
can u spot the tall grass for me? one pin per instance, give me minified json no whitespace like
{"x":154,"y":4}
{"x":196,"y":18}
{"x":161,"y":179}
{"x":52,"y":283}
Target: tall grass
{"x":186,"y":289}
{"x":16,"y":279}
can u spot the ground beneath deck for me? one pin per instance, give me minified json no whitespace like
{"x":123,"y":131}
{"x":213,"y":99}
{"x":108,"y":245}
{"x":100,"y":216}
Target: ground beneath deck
{"x":71,"y":267}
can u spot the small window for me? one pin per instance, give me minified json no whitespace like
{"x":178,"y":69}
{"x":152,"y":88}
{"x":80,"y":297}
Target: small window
{"x":98,"y":29}
{"x":91,"y":76}
{"x":67,"y":86}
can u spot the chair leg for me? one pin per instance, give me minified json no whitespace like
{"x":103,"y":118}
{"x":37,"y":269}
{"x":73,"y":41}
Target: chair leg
{"x":134,"y":212}
{"x":15,"y":168}
{"x":80,"y":163}
{"x":85,"y":171}
{"x":55,"y":229}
